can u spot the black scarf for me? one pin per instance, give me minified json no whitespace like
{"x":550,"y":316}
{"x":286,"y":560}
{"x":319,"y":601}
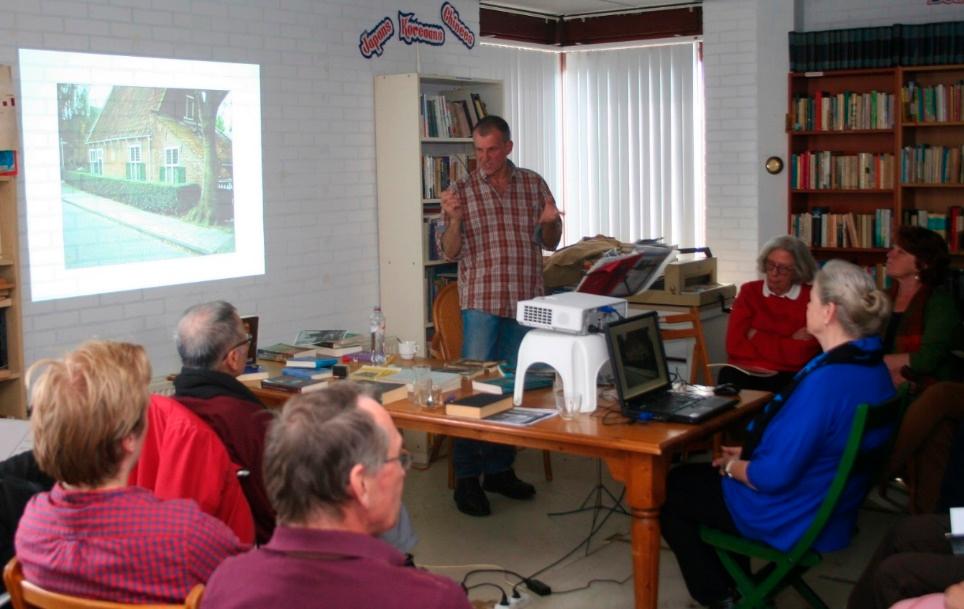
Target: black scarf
{"x":847,"y":353}
{"x":207,"y":384}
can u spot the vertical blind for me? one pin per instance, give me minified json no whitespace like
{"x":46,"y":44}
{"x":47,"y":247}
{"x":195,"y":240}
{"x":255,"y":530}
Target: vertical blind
{"x":625,"y":156}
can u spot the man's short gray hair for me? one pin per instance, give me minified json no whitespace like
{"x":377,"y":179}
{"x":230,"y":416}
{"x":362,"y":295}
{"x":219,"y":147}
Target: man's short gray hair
{"x":313,"y":446}
{"x":804,"y":266}
{"x":205,"y":333}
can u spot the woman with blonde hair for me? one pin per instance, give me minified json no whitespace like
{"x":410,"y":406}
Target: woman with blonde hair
{"x":92,"y":535}
{"x":770,"y":489}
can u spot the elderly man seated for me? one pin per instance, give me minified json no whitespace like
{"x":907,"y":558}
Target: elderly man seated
{"x":213,"y":346}
{"x":92,"y":535}
{"x":335,"y":468}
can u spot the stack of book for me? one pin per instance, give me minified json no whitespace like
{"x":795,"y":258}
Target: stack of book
{"x":282,"y":352}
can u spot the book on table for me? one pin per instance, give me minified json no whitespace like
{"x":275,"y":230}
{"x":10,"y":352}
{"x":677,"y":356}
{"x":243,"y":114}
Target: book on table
{"x":311,"y":361}
{"x":281,"y":352}
{"x":374,"y":373}
{"x":328,"y":338}
{"x":338,"y":351}
{"x":293,"y":384}
{"x":447,"y":381}
{"x":308,"y":373}
{"x":384,"y":392}
{"x":479,"y":406}
{"x":506,"y":384}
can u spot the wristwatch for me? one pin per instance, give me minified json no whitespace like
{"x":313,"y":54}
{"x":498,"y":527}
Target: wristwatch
{"x":726,"y":468}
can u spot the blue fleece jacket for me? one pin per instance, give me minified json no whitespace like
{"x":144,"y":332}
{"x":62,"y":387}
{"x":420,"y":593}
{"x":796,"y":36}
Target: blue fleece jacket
{"x":798,"y":455}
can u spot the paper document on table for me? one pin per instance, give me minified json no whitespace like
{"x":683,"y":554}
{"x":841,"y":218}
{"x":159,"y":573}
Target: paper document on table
{"x":521,"y":417}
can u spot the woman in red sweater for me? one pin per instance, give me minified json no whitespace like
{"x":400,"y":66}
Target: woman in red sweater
{"x":767,"y":332}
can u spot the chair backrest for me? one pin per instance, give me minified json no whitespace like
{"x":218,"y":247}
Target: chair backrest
{"x":447,"y":318}
{"x":854,"y":461}
{"x":25,"y":595}
{"x":700,"y":362}
{"x":182,"y":457}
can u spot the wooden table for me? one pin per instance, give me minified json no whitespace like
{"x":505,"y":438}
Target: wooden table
{"x":637,"y":455}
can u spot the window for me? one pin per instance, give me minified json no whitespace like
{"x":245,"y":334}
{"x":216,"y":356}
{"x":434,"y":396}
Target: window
{"x":629,"y":123}
{"x":172,"y":172}
{"x":190,"y":106}
{"x":135,"y":169}
{"x":96,"y":158}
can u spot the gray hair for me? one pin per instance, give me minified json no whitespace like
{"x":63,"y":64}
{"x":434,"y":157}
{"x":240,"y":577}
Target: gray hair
{"x":804,"y":266}
{"x":313,"y":446}
{"x":205,"y":333}
{"x":862,"y":309}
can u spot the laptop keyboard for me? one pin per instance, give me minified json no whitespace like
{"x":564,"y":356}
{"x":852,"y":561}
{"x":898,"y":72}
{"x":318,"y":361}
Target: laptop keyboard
{"x":669,"y":402}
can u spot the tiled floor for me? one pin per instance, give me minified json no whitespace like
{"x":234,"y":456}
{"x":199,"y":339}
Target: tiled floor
{"x":521,"y":537}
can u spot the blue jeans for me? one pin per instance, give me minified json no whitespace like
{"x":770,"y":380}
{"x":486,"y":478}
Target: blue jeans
{"x":486,"y":337}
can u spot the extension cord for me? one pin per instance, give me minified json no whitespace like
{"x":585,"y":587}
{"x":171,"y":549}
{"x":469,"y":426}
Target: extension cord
{"x":520,"y":602}
{"x":499,"y":605}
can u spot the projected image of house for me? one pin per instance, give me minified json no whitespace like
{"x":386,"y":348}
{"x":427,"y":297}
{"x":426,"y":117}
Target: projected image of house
{"x":146,"y":173}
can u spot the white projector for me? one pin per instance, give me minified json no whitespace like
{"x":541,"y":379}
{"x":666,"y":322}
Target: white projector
{"x":572,"y":312}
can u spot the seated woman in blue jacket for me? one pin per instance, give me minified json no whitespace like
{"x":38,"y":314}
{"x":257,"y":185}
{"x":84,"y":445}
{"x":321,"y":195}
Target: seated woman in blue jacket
{"x":771,"y":488}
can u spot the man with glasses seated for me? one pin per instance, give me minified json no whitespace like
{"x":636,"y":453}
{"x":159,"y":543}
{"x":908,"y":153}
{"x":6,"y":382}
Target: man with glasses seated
{"x":766,"y":338}
{"x":335,"y":470}
{"x":213,"y":346}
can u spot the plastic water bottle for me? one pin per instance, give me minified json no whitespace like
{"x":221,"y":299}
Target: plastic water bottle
{"x":376,"y":324}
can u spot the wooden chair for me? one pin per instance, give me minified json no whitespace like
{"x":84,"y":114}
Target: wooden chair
{"x":700,"y":362}
{"x":447,"y":345}
{"x":25,"y":595}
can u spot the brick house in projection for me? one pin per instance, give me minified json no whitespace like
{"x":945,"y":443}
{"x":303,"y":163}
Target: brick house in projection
{"x":154,"y":134}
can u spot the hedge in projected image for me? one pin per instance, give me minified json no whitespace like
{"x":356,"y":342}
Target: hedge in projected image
{"x":157,"y":184}
{"x":159,"y":160}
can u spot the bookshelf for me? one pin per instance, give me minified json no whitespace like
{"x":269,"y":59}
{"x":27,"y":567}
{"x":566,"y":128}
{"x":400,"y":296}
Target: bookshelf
{"x":411,"y":126}
{"x":930,"y":142}
{"x":12,"y":394}
{"x":872,"y":149}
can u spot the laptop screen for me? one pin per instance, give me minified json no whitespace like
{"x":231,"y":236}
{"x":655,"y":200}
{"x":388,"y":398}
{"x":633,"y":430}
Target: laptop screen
{"x":636,"y":356}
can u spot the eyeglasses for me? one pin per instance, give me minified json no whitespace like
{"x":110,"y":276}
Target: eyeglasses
{"x":779,"y":269}
{"x":240,"y":344}
{"x":404,"y":459}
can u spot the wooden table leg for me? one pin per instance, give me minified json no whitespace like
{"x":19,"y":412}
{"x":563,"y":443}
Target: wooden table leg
{"x":645,"y":480}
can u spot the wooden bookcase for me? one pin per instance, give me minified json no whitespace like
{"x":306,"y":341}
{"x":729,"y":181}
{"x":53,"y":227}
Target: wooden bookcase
{"x":883,"y":140}
{"x":406,"y":274}
{"x":12,"y":395}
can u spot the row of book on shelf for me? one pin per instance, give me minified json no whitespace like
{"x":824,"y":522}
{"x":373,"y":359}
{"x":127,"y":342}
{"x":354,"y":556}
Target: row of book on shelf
{"x":821,"y":228}
{"x":824,"y":169}
{"x":938,"y":103}
{"x":878,"y":47}
{"x":438,"y":171}
{"x":925,"y":164}
{"x":455,"y":118}
{"x":842,"y":112}
{"x":949,"y":225}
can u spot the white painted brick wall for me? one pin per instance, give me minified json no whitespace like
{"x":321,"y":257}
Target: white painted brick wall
{"x":317,"y":143}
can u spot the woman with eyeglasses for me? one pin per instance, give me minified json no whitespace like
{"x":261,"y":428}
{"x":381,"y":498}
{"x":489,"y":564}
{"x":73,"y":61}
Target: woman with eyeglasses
{"x":767,"y":339}
{"x":922,"y":330}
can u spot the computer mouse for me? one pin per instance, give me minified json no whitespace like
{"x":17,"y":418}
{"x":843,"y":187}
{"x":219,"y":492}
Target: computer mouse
{"x":727,"y":389}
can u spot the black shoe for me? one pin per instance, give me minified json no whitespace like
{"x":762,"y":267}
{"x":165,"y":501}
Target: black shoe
{"x":470,"y":499}
{"x":506,"y":483}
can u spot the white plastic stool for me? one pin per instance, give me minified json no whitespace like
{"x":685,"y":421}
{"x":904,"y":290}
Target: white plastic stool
{"x":576,"y":358}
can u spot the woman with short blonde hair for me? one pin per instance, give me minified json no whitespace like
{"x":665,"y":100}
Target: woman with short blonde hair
{"x":92,"y":535}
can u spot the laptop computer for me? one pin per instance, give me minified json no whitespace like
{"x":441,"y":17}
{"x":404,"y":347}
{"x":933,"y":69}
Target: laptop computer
{"x":639,"y":368}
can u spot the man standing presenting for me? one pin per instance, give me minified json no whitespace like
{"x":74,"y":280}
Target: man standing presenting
{"x":497,"y":221}
{"x":335,"y":469}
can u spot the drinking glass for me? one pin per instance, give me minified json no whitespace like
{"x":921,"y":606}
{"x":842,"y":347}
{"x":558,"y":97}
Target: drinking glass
{"x":422,"y":384}
{"x":570,"y":406}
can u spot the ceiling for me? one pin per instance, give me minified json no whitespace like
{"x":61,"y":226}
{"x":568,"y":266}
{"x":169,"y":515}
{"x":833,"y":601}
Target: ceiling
{"x":582,"y":7}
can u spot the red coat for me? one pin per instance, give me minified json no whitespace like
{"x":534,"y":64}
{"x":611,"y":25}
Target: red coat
{"x":775,"y":319}
{"x":182,"y":457}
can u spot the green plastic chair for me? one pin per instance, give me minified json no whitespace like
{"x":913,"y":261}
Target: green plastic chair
{"x":787,"y":568}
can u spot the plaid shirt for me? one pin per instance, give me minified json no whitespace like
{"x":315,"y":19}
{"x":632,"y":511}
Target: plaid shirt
{"x":123,"y":545}
{"x":500,"y":262}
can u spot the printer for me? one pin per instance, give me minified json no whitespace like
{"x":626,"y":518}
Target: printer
{"x":690,"y":281}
